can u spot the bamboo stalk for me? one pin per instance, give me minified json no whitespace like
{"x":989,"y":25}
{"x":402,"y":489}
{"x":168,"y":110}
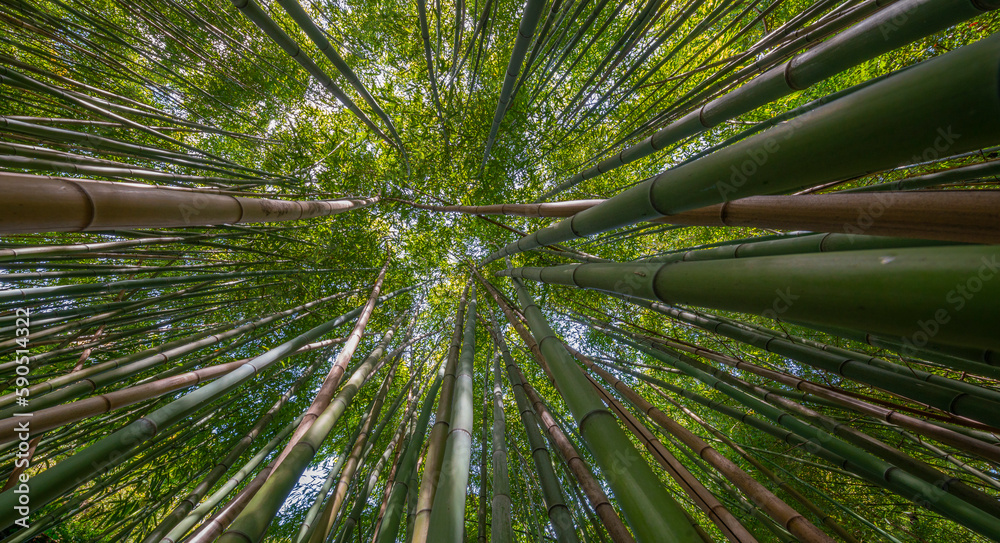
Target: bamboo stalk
{"x":52,"y":204}
{"x":931,"y":103}
{"x":447,"y":518}
{"x":633,"y":482}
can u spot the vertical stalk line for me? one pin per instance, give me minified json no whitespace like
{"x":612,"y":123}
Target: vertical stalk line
{"x":191,"y":500}
{"x":483,"y":440}
{"x":558,"y":513}
{"x":447,"y":518}
{"x":402,"y":485}
{"x":500,"y":526}
{"x":439,"y":432}
{"x":252,"y":11}
{"x":332,"y":380}
{"x":252,"y":523}
{"x":324,"y":524}
{"x":577,"y":466}
{"x":525,"y":30}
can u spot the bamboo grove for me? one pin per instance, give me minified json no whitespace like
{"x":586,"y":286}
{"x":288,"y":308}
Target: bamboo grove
{"x":499,"y":270}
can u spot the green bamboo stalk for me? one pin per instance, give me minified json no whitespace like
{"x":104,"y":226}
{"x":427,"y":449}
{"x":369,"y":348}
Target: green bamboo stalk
{"x":401,"y":486}
{"x":826,"y":518}
{"x":439,"y":432}
{"x":361,"y":498}
{"x":558,"y":513}
{"x":863,"y":463}
{"x":820,"y":146}
{"x":259,"y":17}
{"x":333,"y":378}
{"x":252,"y":523}
{"x":852,"y":289}
{"x":781,"y":512}
{"x":447,"y":518}
{"x":108,"y":451}
{"x":325,"y":523}
{"x":869,"y":368}
{"x":47,"y":393}
{"x":649,"y":509}
{"x":500,"y":527}
{"x":525,"y":30}
{"x":191,"y":500}
{"x":577,"y":466}
{"x":197,"y":513}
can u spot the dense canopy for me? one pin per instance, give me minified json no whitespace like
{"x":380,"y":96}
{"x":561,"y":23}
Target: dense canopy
{"x":499,"y":270}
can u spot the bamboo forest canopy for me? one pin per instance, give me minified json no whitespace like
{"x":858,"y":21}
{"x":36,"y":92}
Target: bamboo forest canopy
{"x":499,"y":270}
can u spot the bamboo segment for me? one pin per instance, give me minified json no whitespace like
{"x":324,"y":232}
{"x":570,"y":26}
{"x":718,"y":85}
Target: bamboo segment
{"x":944,"y":435}
{"x":171,"y":523}
{"x":500,"y":528}
{"x":332,"y":380}
{"x":259,"y":17}
{"x":943,"y":105}
{"x":447,"y":519}
{"x":439,"y":432}
{"x":325,"y":520}
{"x":787,"y":517}
{"x":578,"y":467}
{"x":827,"y":519}
{"x":302,"y":19}
{"x":525,"y":30}
{"x":104,"y":453}
{"x":649,"y":509}
{"x":945,"y":292}
{"x":552,"y":209}
{"x":52,"y":204}
{"x":558,"y":513}
{"x":53,"y":417}
{"x":389,"y":528}
{"x":956,"y":216}
{"x":253,"y":522}
{"x":961,"y":216}
{"x":695,"y":489}
{"x":863,"y":463}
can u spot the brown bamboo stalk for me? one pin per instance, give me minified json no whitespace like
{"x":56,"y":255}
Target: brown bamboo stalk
{"x":706,"y":501}
{"x":552,"y":209}
{"x":336,"y":374}
{"x":578,"y":466}
{"x":775,"y":507}
{"x":782,"y":484}
{"x":59,"y":415}
{"x":325,"y":520}
{"x":33,"y":204}
{"x":944,"y":435}
{"x":969,"y":216}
